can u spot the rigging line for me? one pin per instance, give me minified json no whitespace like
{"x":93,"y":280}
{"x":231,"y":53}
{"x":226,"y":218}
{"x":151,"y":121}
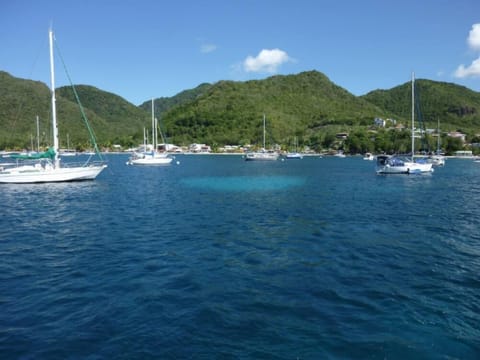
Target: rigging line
{"x":159,"y":127}
{"x":422,"y":126}
{"x":93,"y":138}
{"x":17,"y":114}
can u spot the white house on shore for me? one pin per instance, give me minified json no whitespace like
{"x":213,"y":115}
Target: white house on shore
{"x":457,"y":135}
{"x":463,"y":154}
{"x":199,"y":148}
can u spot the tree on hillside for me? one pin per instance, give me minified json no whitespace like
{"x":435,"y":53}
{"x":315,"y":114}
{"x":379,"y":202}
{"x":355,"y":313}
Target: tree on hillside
{"x":453,"y":144}
{"x":359,"y":143}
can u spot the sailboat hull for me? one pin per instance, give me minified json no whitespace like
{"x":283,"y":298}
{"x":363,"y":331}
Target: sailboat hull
{"x":437,"y":160}
{"x":261,"y":156}
{"x":394,"y":165}
{"x":49,"y":171}
{"x":38,"y":174}
{"x":154,"y":159}
{"x":294,"y":156}
{"x":151,"y":162}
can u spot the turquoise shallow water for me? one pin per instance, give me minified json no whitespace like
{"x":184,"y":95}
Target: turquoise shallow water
{"x":220,"y":258}
{"x":245,"y":183}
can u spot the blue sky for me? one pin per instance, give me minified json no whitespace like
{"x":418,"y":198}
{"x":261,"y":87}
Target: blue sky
{"x":139,"y":49}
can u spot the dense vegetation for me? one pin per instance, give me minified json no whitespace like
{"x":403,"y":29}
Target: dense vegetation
{"x":113,"y":119}
{"x":163,"y":104}
{"x":307,"y":106}
{"x":456,"y":107}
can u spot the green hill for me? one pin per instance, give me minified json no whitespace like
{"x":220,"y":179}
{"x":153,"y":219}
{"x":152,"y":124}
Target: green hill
{"x":307,"y":106}
{"x":163,"y":104}
{"x":455,"y":106}
{"x":20,"y":102}
{"x":295,"y":105}
{"x":112,"y":118}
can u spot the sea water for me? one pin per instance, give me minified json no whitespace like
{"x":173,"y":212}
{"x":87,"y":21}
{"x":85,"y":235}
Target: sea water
{"x":216,"y":257}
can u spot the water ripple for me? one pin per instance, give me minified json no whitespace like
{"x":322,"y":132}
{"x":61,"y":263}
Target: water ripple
{"x":215,"y":258}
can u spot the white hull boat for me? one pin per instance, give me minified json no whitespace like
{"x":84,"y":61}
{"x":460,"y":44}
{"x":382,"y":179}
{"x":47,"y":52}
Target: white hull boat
{"x":47,"y":166}
{"x":47,"y":173}
{"x":294,"y":155}
{"x":437,"y":160}
{"x":401,"y":165}
{"x":149,"y":159}
{"x":153,"y":157}
{"x":397,"y":165}
{"x":263,"y":154}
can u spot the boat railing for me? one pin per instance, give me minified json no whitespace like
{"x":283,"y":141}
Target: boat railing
{"x":21,"y":163}
{"x":83,"y":163}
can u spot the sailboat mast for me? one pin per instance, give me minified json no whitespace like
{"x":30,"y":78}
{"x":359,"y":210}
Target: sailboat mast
{"x":54,"y":108}
{"x":156,"y":134}
{"x":153,"y":124}
{"x":438,"y":137}
{"x":38,"y":135}
{"x":264,"y":131}
{"x":154,"y":127}
{"x":413,"y":115}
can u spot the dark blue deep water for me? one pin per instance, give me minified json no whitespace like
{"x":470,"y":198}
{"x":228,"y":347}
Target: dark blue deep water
{"x":218,"y":258}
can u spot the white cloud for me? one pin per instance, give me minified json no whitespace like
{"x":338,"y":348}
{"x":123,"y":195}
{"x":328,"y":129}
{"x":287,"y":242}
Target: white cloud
{"x":474,"y":37}
{"x":470,"y":71}
{"x":208,"y":48}
{"x":473,"y":41}
{"x":266,"y":61}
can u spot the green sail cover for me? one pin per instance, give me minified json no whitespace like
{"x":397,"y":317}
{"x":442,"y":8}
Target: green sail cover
{"x":49,"y":154}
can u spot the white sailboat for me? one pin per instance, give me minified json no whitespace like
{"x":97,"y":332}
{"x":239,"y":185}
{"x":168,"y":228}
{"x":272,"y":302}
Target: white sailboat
{"x":295,"y":154}
{"x":263,"y":154}
{"x":153,"y":157}
{"x":401,"y":165}
{"x":437,"y":159}
{"x":47,"y":167}
{"x":68,"y":151}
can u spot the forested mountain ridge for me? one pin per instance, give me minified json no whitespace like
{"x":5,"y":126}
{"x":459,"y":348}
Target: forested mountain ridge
{"x":117,"y":119}
{"x":306,"y":105}
{"x":295,"y":105}
{"x":453,"y":105}
{"x":21,"y":101}
{"x":163,"y":104}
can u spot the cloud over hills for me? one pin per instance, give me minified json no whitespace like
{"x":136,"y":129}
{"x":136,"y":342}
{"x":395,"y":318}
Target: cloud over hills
{"x":267,"y":61}
{"x":473,"y":41}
